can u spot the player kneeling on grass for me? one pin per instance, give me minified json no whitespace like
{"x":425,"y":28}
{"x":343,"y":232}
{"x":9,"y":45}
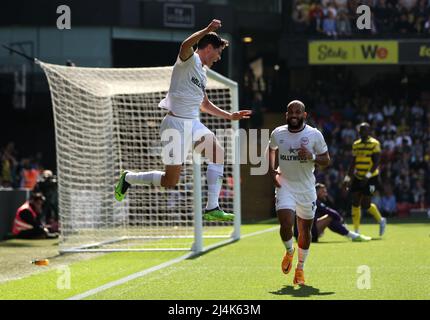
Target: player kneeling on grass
{"x":185,"y":98}
{"x":328,"y":217}
{"x":297,"y":147}
{"x":27,"y":224}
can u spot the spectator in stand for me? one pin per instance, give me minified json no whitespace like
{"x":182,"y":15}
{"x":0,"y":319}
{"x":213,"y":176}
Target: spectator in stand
{"x":417,"y":110}
{"x":389,"y":128}
{"x":427,"y":25}
{"x":419,"y":194}
{"x":29,"y":174}
{"x":329,"y":22}
{"x":300,"y":17}
{"x":8,"y":165}
{"x":376,"y":115}
{"x":404,"y":26}
{"x":403,"y":126}
{"x":421,"y":13}
{"x":383,"y":13}
{"x":348,"y":112}
{"x":389,"y":144}
{"x":348,"y":134}
{"x":343,"y":24}
{"x":389,"y":109}
{"x":388,"y":16}
{"x":388,"y":204}
{"x":404,"y":141}
{"x":316,"y":16}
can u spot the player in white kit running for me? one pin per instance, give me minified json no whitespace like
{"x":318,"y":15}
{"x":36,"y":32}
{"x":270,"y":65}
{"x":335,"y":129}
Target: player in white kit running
{"x":297,"y":147}
{"x":184,"y":100}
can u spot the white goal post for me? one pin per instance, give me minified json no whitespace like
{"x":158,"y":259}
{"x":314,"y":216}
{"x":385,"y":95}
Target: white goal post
{"x":107,"y":120}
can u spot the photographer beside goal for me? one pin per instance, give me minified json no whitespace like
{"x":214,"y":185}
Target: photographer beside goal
{"x":185,"y":98}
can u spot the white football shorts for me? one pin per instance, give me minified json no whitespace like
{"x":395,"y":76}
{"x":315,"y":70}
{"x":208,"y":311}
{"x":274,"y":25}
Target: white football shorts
{"x":304,"y":204}
{"x":178,"y":136}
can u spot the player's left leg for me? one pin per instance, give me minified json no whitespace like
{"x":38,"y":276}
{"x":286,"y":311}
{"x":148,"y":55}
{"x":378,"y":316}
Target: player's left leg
{"x":210,"y":148}
{"x":304,"y":242}
{"x":372,"y":209}
{"x":371,"y":186}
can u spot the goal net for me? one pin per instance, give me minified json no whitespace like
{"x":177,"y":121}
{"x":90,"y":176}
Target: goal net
{"x":107,"y":120}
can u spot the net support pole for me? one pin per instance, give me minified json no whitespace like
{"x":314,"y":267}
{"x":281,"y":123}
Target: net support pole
{"x":198,"y":221}
{"x":236,"y":166}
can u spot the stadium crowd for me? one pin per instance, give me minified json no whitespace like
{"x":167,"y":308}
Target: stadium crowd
{"x":337,"y":18}
{"x":403,"y":129}
{"x":28,"y":173}
{"x":18,"y":172}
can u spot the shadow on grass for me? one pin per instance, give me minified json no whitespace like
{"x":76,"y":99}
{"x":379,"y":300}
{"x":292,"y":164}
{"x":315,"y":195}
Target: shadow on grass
{"x":300,"y":292}
{"x":328,"y":242}
{"x":28,"y":243}
{"x":210,"y":249}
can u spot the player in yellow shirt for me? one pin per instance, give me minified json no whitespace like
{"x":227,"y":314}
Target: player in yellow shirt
{"x":363,"y":177}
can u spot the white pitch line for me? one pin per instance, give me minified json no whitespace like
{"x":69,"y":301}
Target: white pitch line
{"x":150,"y":270}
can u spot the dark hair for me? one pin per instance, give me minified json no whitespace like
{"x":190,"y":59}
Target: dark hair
{"x":37,"y":196}
{"x":212,"y":38}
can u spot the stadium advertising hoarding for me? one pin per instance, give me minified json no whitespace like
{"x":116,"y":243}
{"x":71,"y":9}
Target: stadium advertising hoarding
{"x":414,"y":52}
{"x":353,"y":52}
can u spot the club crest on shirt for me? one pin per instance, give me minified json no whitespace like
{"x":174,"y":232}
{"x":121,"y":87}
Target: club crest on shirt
{"x":304,"y":140}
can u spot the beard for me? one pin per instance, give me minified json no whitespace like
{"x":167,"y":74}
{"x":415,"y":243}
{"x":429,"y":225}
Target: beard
{"x":298,"y":125}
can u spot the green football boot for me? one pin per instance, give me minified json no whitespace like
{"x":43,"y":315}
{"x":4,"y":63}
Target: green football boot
{"x":217,"y":215}
{"x":121,"y":187}
{"x":362,"y":238}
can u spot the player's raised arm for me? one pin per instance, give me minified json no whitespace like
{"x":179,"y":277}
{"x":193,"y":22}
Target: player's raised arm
{"x":208,"y":107}
{"x":186,"y":50}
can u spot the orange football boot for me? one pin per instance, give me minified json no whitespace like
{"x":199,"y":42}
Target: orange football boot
{"x":287,"y":262}
{"x":299,"y":277}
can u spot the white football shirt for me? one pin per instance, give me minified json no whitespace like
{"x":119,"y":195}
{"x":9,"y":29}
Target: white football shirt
{"x":187,"y":88}
{"x":297,"y":173}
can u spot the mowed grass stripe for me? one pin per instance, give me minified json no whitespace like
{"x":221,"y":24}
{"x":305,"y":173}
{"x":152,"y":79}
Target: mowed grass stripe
{"x":399,"y":266}
{"x":145,"y":272}
{"x":93,"y":273}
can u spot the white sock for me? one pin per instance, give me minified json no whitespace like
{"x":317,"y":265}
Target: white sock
{"x":148,"y":178}
{"x":214,"y":176}
{"x":289,"y":246}
{"x":352,"y":235}
{"x":303,"y":254}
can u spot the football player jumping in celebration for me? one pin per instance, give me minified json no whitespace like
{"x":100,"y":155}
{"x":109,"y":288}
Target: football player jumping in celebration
{"x":184,"y":100}
{"x":298,"y":148}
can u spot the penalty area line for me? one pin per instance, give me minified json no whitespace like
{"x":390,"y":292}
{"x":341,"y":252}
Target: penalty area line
{"x":150,"y":270}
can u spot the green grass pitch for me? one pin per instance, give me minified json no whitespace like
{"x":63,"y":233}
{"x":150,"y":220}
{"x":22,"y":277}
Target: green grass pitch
{"x":395,"y":267}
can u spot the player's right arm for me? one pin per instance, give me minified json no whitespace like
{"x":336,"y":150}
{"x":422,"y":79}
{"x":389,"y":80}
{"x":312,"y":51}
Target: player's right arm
{"x":350,"y":173}
{"x":273,"y":156}
{"x":186,"y":50}
{"x":274,"y":174}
